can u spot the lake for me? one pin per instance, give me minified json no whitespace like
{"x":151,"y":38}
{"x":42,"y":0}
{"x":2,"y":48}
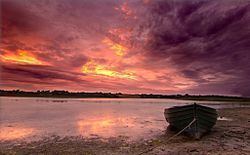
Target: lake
{"x":35,"y":118}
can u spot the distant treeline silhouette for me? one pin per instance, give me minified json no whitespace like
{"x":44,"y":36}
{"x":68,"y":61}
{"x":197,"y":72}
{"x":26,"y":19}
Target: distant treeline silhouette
{"x":67,"y":94}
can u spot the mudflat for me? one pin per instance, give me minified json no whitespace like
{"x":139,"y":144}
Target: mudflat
{"x":230,"y":135}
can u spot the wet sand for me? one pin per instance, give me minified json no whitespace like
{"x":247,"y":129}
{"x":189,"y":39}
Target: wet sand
{"x":227,"y":137}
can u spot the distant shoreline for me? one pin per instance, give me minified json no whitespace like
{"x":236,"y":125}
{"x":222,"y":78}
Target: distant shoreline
{"x":66,"y":94}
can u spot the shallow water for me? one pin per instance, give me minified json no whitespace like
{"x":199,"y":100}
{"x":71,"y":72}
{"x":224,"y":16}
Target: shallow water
{"x":35,"y":118}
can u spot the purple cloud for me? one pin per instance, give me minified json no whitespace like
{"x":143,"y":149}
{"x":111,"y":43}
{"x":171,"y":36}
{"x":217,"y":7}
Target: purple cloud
{"x":206,"y":41}
{"x":199,"y":46}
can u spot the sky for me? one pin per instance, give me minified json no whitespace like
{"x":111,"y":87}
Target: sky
{"x":128,"y":46}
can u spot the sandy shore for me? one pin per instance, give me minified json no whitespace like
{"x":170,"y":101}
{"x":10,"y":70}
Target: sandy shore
{"x":227,"y":137}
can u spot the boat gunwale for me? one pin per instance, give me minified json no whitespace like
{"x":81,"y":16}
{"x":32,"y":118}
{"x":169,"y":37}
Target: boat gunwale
{"x":182,"y":114}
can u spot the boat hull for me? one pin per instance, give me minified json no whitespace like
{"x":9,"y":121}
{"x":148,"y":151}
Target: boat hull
{"x":180,"y":117}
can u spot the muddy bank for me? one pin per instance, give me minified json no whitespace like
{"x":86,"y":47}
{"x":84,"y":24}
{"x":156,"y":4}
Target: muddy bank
{"x":227,"y":137}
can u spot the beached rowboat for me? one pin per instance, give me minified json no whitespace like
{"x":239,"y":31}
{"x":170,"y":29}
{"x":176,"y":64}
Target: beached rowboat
{"x":199,"y":119}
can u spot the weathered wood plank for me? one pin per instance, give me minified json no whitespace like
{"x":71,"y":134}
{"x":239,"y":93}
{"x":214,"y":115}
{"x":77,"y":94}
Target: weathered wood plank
{"x":180,"y":116}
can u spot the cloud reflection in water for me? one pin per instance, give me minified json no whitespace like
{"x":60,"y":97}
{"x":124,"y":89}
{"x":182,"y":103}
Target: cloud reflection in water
{"x":112,"y":126}
{"x":13,"y":133}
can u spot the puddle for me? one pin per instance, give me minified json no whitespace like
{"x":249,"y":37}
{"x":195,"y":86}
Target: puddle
{"x":224,"y":119}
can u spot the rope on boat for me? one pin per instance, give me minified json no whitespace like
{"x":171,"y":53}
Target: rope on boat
{"x":152,"y":148}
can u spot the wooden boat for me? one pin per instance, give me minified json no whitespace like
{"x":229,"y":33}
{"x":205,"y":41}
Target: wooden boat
{"x":199,"y":119}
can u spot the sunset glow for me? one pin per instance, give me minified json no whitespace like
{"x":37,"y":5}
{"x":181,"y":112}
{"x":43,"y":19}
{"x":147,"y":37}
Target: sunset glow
{"x":105,"y":126}
{"x":21,"y":57}
{"x":117,"y":48}
{"x":126,"y":10}
{"x":12,"y":133}
{"x":95,"y":69}
{"x":137,"y":46}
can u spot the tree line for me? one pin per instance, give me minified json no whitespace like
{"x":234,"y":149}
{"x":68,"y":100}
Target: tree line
{"x":67,"y":94}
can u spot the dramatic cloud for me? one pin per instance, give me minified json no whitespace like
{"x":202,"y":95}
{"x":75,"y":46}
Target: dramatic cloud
{"x":142,"y":46}
{"x":205,"y":41}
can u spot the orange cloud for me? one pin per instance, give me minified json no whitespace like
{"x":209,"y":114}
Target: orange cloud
{"x":96,"y":69}
{"x":117,"y":48}
{"x":123,"y":34}
{"x":126,"y":10}
{"x":21,"y":57}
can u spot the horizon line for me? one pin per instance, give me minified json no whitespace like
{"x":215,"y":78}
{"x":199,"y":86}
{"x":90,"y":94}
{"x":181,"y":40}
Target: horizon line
{"x":103,"y":92}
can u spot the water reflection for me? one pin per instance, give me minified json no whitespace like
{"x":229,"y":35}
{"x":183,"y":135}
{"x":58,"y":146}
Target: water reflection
{"x":12,"y":133}
{"x":133,"y":118}
{"x":113,"y":126}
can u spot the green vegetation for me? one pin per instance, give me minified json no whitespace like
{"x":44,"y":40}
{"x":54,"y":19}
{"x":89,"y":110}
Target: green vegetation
{"x":66,"y":94}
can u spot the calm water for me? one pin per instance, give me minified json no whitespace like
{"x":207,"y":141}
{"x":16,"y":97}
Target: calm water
{"x":34,"y":118}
